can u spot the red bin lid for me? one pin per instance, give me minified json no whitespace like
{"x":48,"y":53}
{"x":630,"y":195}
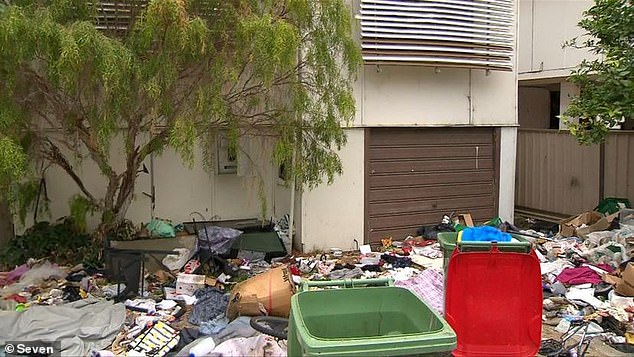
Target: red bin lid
{"x":493,"y":301}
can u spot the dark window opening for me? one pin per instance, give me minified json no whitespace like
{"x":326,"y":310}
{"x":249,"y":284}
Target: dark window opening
{"x":555,"y":97}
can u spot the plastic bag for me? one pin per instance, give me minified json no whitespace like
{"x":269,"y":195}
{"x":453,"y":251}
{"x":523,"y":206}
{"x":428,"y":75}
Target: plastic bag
{"x":177,"y":261}
{"x":161,"y":228}
{"x":217,"y":239}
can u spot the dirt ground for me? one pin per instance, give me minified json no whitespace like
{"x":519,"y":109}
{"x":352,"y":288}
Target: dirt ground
{"x":597,"y":347}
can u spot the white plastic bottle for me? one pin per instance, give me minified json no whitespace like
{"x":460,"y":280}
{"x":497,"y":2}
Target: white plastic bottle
{"x":202,"y":348}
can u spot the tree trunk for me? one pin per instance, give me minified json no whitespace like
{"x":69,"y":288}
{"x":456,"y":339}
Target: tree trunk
{"x":116,"y":209}
{"x":6,"y":224}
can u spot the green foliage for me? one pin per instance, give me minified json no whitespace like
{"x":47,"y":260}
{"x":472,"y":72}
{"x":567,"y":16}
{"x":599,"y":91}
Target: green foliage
{"x":60,"y":242}
{"x":80,"y":207}
{"x":12,"y":163}
{"x":183,"y":71}
{"x":607,"y":83}
{"x":27,"y":193}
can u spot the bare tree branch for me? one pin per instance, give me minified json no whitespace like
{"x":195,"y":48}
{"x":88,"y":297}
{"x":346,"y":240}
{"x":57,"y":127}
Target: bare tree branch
{"x":54,"y":155}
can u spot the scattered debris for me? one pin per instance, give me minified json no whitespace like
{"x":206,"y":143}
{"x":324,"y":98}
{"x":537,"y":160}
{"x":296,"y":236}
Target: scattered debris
{"x":205,"y":300}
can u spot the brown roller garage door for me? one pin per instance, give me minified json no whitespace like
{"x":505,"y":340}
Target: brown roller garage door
{"x":414,"y":176}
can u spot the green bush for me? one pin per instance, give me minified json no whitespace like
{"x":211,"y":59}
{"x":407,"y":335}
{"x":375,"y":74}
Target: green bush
{"x":61,"y":242}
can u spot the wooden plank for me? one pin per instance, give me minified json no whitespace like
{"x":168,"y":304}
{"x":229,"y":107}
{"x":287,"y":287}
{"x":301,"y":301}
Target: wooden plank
{"x":427,"y":204}
{"x":428,"y":152}
{"x":431,"y":136}
{"x":402,"y":167}
{"x":436,"y":190}
{"x":430,"y":178}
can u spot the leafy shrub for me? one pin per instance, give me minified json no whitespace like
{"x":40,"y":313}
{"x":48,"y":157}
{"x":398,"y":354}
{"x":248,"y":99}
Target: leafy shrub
{"x":61,"y":242}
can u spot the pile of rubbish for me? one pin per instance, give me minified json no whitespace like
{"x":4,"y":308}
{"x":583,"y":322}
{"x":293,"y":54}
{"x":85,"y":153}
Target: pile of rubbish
{"x":588,"y":277}
{"x":197,"y":301}
{"x":200,"y":302}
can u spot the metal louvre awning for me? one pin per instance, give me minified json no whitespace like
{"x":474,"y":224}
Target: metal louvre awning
{"x":452,"y":33}
{"x":117,"y":15}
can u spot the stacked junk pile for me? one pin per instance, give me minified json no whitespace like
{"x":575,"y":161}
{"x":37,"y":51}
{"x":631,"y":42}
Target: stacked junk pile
{"x":588,"y":280}
{"x":454,"y":289}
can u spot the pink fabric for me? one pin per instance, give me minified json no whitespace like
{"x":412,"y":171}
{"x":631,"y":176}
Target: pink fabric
{"x":606,"y":267}
{"x":428,"y":286}
{"x":576,"y":276}
{"x":15,"y":275}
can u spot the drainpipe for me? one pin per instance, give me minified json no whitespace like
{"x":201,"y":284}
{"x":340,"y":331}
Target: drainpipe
{"x":289,"y":246}
{"x":470,"y":101}
{"x":602,"y":171}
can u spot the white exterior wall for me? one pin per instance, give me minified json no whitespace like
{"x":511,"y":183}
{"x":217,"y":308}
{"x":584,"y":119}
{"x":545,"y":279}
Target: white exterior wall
{"x":181,"y":193}
{"x":424,"y":96}
{"x":568,"y":90}
{"x":508,"y":145}
{"x":332,"y":216}
{"x":544,"y":25}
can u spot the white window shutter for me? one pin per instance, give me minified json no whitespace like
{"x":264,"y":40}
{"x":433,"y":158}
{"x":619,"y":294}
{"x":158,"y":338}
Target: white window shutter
{"x":442,"y":33}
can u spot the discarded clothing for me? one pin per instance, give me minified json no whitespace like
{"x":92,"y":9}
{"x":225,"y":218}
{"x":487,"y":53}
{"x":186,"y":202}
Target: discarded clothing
{"x":14,"y":275}
{"x":376,"y":268}
{"x":240,"y":327}
{"x":189,"y":337}
{"x":261,"y":345}
{"x":399,"y":274}
{"x":214,"y":326}
{"x":80,"y":326}
{"x":211,"y":304}
{"x":143,"y":305}
{"x":345,"y":273}
{"x":555,"y":267}
{"x":576,"y":276}
{"x":35,"y":276}
{"x":429,"y":286}
{"x":324,"y":268}
{"x":483,"y":234}
{"x":17,"y":298}
{"x":343,"y":266}
{"x":586,"y":295}
{"x":426,"y":262}
{"x":397,"y":262}
{"x":431,"y":231}
{"x":431,"y":251}
{"x":76,"y":276}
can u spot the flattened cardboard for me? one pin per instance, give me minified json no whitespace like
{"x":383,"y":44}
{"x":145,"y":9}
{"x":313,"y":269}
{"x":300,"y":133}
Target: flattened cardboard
{"x":594,"y":222}
{"x":270,"y":291}
{"x":465,"y":219}
{"x":625,"y":287}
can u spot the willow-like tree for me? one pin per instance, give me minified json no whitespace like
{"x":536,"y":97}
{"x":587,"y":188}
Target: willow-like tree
{"x":606,"y":83}
{"x":169,"y":73}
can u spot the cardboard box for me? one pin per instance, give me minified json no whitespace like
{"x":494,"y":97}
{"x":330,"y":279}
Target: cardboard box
{"x":574,"y":226}
{"x":625,"y":286}
{"x":465,"y":219}
{"x":186,"y":284}
{"x":267,"y":293}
